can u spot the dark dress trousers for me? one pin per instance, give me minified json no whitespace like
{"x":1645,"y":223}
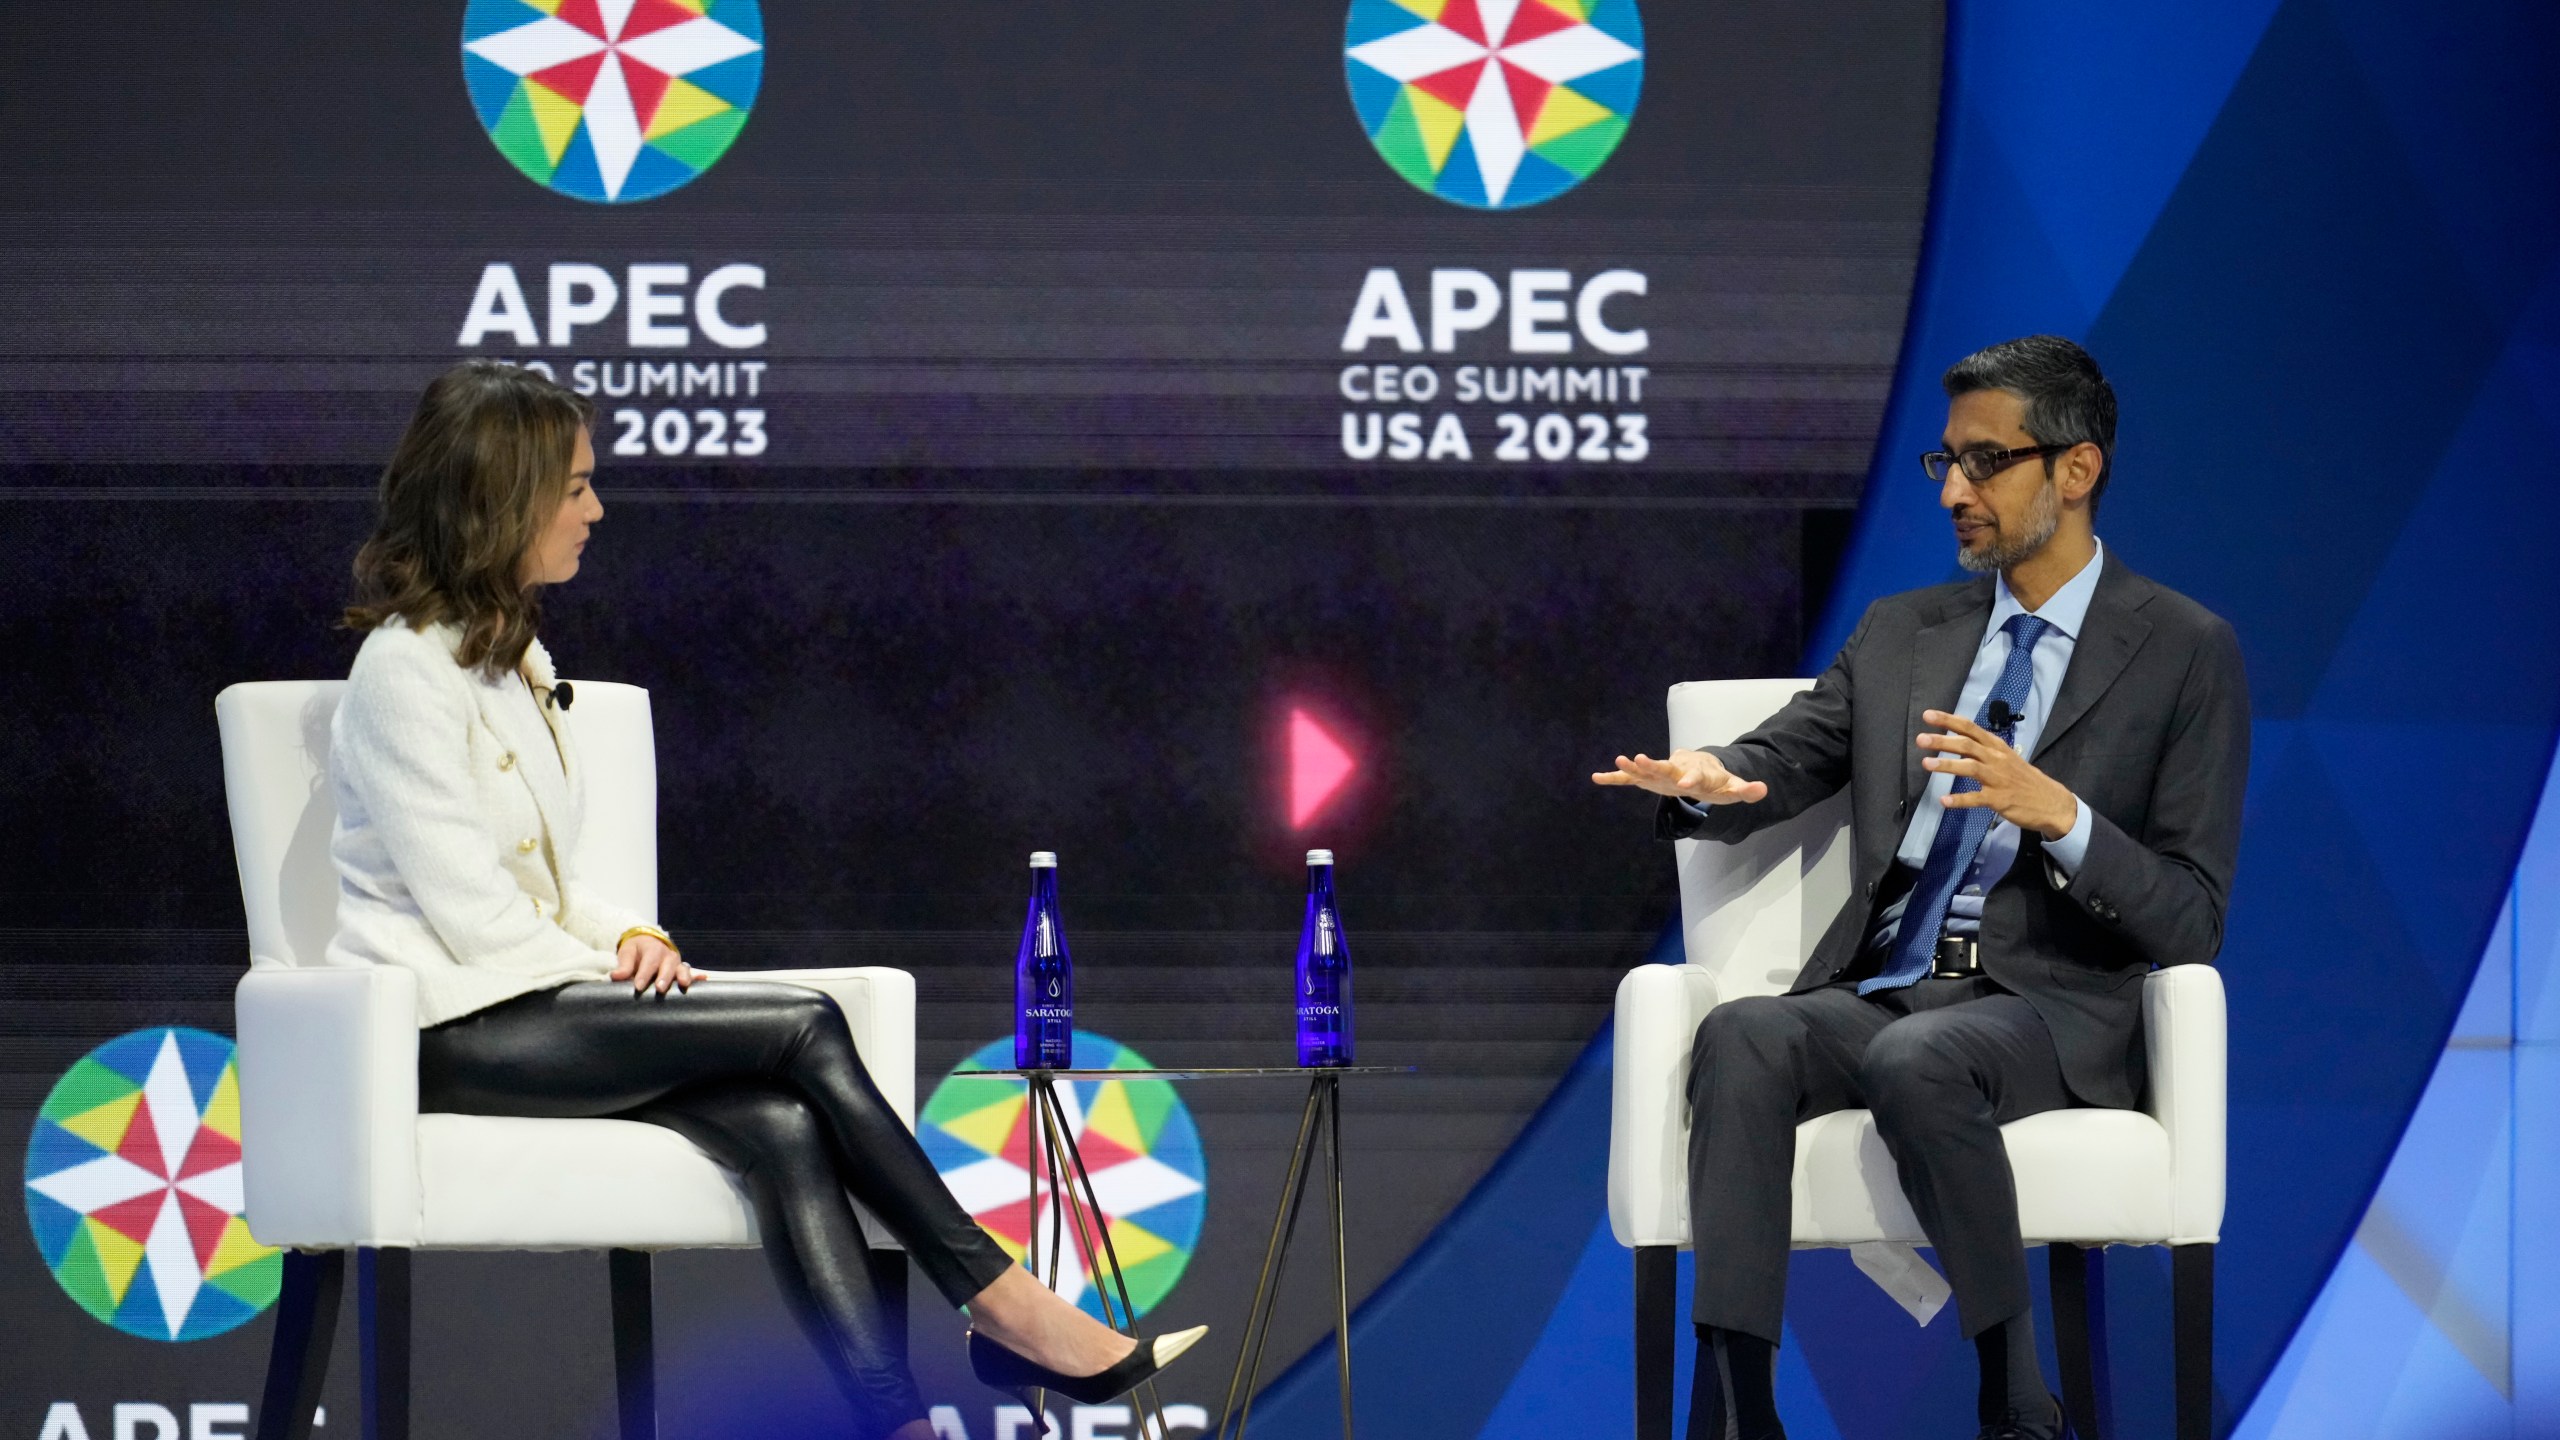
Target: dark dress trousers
{"x":2151,"y":732}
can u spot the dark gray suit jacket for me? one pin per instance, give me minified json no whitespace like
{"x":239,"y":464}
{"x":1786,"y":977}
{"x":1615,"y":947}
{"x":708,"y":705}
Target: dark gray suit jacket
{"x":2151,"y":731}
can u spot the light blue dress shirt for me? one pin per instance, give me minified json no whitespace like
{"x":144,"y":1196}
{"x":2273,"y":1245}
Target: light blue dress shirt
{"x":2066,"y":611}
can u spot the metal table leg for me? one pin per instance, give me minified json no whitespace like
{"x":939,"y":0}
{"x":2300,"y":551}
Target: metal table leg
{"x":1033,"y":1089}
{"x":1332,"y":1085}
{"x":1266,"y":1289}
{"x":1324,"y":1108}
{"x":1074,"y":1202}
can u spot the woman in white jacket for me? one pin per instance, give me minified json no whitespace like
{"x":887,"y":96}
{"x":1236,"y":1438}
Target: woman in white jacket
{"x":459,"y":799}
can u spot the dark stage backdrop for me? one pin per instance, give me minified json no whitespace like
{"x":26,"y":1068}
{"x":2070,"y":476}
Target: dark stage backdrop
{"x":1023,"y":426}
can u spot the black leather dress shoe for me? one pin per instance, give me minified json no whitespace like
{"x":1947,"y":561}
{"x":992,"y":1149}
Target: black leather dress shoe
{"x":2015,"y":1428}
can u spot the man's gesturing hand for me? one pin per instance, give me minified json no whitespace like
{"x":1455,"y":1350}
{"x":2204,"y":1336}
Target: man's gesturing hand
{"x":2015,"y":790}
{"x":1686,"y":775}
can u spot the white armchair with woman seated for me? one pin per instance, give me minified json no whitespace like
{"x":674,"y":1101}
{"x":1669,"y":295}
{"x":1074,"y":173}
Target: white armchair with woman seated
{"x":460,"y":798}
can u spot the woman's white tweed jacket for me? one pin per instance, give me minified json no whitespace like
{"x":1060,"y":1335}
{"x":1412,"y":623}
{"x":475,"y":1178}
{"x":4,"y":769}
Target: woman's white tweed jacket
{"x":456,"y":828}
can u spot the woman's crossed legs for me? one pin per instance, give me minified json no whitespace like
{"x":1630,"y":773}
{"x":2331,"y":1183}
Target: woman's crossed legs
{"x":765,"y":1078}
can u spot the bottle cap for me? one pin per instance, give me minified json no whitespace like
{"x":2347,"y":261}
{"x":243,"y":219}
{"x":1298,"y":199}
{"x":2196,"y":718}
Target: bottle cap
{"x":1319,"y":857}
{"x":1044,"y":859}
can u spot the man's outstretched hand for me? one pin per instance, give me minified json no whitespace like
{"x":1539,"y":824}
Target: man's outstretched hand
{"x":1685,"y":775}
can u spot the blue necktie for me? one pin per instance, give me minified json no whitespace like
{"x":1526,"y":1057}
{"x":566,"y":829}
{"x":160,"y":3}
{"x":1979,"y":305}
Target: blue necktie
{"x":1960,"y":832}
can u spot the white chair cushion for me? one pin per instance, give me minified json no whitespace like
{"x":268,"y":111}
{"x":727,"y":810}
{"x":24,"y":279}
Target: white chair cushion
{"x":494,"y":1183}
{"x":2093,"y":1175}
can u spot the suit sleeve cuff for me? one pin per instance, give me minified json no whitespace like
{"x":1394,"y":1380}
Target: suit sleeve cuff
{"x":2067,"y":853}
{"x":1678,"y":819}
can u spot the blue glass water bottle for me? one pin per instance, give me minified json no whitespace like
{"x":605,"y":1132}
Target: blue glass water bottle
{"x":1044,"y":980}
{"x":1324,"y":972}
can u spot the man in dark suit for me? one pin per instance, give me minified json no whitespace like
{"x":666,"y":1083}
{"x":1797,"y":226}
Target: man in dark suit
{"x":2045,"y":767}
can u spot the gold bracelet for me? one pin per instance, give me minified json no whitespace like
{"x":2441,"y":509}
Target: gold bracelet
{"x":661,"y":936}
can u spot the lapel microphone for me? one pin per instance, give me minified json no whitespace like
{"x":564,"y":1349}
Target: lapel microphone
{"x":561,"y":695}
{"x":1997,"y":717}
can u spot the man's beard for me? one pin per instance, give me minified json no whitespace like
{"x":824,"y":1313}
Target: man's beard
{"x":2044,"y":517}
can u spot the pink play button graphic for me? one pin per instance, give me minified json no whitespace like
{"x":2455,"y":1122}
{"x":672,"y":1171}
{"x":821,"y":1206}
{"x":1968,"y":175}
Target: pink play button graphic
{"x":1318,"y":766}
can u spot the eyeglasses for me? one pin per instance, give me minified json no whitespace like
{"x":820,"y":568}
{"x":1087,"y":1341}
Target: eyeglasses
{"x":1981,"y":465}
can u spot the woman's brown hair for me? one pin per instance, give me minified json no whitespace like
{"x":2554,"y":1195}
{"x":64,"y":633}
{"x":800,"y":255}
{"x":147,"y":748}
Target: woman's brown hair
{"x":483,"y":465}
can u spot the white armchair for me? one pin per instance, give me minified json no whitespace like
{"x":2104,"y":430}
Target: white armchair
{"x":336,"y":1156}
{"x":1750,"y":915}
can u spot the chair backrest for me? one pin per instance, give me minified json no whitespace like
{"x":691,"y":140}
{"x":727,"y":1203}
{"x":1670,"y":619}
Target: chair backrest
{"x":275,"y":773}
{"x":1770,"y":897}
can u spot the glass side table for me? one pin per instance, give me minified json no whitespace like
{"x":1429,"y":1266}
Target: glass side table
{"x":1078,"y":1214}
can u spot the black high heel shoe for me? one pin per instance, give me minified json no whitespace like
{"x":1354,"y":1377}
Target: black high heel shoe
{"x":1001,"y":1368}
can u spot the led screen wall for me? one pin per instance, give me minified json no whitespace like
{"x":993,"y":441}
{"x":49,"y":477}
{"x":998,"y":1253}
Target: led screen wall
{"x":1172,"y":436}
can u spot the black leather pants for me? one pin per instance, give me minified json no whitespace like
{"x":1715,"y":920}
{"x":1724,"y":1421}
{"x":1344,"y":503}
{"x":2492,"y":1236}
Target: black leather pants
{"x":765,"y":1079}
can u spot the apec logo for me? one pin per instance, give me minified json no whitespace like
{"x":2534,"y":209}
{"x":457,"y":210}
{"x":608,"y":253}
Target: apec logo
{"x":612,"y":101}
{"x":133,"y":1188}
{"x":1139,"y":1145}
{"x":1494,"y":104}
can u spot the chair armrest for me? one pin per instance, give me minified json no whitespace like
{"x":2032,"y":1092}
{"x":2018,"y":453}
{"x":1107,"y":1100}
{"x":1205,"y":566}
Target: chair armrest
{"x":329,"y":1105}
{"x":1659,"y":1007}
{"x":2186,"y":1040}
{"x":879,"y":1006}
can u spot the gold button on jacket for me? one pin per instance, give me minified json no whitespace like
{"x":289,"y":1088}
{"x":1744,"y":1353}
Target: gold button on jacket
{"x":507,"y":761}
{"x":527,"y":845}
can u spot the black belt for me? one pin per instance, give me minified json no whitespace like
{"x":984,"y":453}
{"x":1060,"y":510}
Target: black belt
{"x":1958,"y":956}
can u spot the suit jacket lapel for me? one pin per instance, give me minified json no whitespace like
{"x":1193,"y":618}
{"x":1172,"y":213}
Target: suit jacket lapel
{"x":544,"y":680}
{"x":504,"y":715}
{"x":1941,"y":656}
{"x":2113,"y":631}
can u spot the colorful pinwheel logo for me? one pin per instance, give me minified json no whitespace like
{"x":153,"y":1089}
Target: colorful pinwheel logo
{"x":1494,"y":104}
{"x":613,"y":100}
{"x":133,"y":1188}
{"x":1138,"y":1143}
